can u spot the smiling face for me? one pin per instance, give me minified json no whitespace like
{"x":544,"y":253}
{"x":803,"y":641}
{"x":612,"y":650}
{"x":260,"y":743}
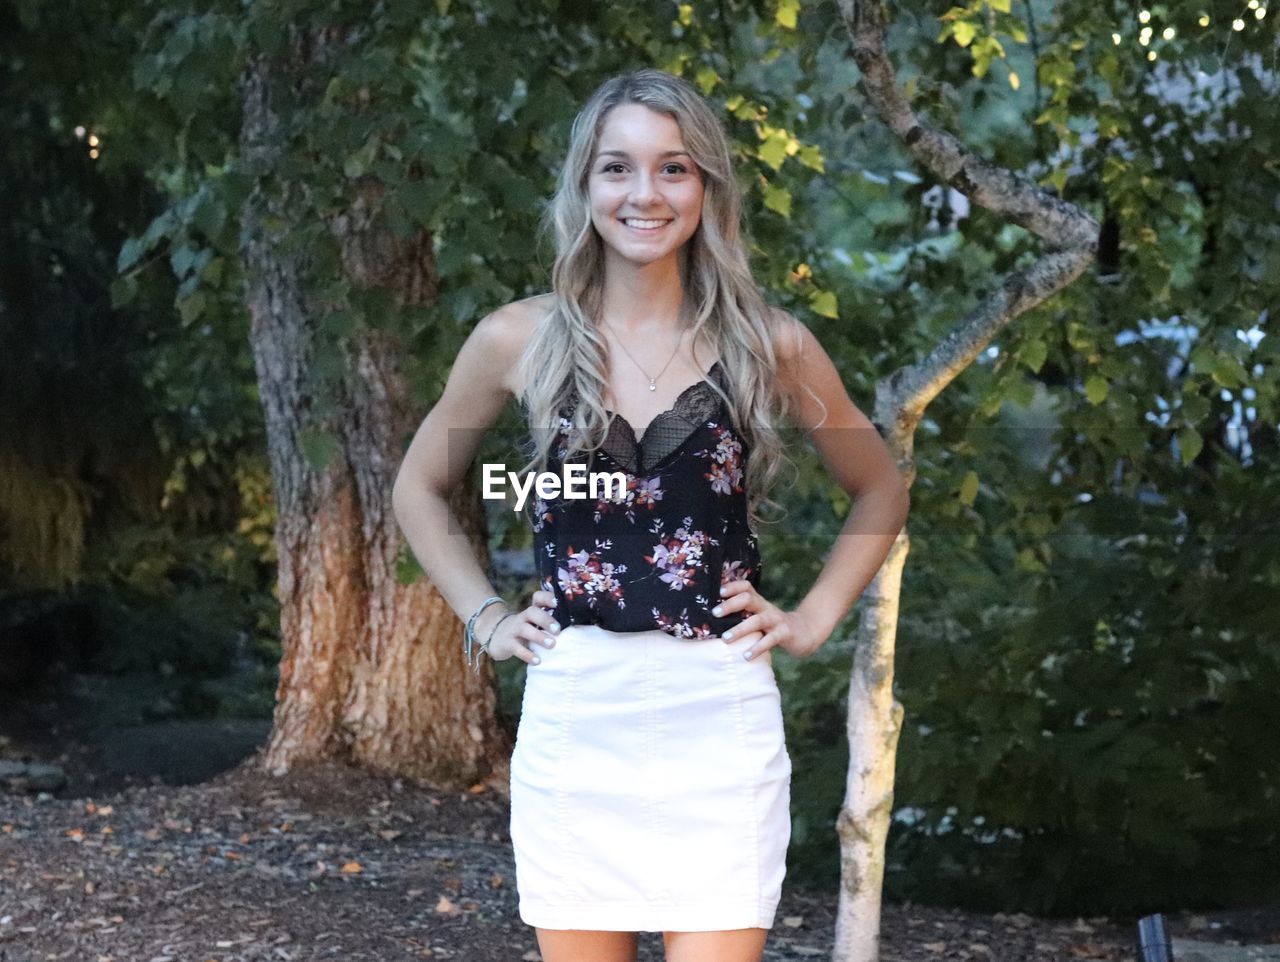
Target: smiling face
{"x":645,"y":191}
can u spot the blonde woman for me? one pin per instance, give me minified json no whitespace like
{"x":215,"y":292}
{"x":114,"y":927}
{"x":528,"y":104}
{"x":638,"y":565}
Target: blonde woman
{"x":650,"y":782}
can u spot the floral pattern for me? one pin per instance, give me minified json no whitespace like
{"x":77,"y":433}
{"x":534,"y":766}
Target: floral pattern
{"x":639,"y":493}
{"x":734,"y":571}
{"x":680,"y":556}
{"x":542,"y":513}
{"x":725,"y":473}
{"x":652,"y":544}
{"x":680,"y":626}
{"x":586,"y":574}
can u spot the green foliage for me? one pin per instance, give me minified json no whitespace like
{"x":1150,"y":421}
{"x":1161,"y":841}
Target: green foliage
{"x":1076,"y":733}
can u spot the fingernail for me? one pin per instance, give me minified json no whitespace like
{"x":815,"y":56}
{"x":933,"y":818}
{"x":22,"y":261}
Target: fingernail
{"x":549,"y":642}
{"x":717,"y":611}
{"x":724,"y":592}
{"x":537,"y":660}
{"x":747,"y":655}
{"x":555,"y":626}
{"x":727,"y":635}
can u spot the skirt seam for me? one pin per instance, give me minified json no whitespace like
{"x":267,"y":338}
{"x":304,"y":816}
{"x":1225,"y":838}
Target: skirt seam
{"x":748,"y":779}
{"x":661,"y":807}
{"x":562,"y":792}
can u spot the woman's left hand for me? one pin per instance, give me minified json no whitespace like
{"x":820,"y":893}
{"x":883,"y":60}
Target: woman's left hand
{"x":766,"y":624}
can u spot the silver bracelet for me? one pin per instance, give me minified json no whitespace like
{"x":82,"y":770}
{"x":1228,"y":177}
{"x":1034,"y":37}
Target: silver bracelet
{"x":484,"y":645}
{"x":469,"y":636}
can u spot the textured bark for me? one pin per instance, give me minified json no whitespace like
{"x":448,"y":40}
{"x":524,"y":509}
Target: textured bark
{"x":874,"y":716}
{"x":372,"y":671}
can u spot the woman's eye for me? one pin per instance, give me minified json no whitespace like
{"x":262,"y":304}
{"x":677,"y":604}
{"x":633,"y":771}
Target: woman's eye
{"x":680,"y":168}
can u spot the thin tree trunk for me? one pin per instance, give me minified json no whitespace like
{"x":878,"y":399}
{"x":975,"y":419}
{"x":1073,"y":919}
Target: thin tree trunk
{"x":874,"y":716}
{"x":372,"y":671}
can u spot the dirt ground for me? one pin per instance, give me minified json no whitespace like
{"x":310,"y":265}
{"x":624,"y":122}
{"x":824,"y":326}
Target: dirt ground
{"x":329,"y":862}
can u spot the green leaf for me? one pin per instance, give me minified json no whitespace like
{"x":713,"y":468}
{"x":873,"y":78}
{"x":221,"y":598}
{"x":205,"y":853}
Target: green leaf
{"x":1095,"y":388}
{"x":773,"y":151}
{"x":341,"y":322}
{"x":1001,"y":6}
{"x":1190,"y":443}
{"x":190,"y":308}
{"x":130,"y":251}
{"x":1108,"y":67}
{"x":1033,"y":354}
{"x":1228,"y":372}
{"x":318,"y":447}
{"x":1081,"y":337}
{"x":777,"y":199}
{"x":964,"y":31}
{"x":811,"y":156}
{"x":123,"y":290}
{"x":969,"y":488}
{"x":181,"y":260}
{"x":421,"y":199}
{"x":357,"y":164}
{"x":213,"y":270}
{"x":786,"y":15}
{"x":1194,"y":407}
{"x":825,"y":304}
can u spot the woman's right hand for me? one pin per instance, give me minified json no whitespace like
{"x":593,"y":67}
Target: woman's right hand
{"x":516,"y":635}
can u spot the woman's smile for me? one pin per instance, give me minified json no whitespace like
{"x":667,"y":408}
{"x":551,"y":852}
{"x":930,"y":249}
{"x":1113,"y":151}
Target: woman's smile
{"x":641,"y":226}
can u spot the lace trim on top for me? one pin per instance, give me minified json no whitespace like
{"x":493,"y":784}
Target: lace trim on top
{"x":665,"y":433}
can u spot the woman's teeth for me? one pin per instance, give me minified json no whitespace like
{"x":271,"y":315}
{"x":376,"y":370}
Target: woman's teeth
{"x":645,"y":224}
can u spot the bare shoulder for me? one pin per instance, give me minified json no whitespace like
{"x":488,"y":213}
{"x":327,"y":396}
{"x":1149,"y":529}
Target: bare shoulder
{"x":515,"y":324}
{"x":498,"y":340}
{"x":793,"y":344}
{"x":809,"y":377}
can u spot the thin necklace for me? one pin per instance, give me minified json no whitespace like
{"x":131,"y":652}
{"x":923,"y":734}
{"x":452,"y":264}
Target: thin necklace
{"x":653,"y":381}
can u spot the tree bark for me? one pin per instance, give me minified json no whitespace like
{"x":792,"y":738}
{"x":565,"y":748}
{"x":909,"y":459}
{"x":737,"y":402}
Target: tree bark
{"x":372,"y":671}
{"x":874,"y":718}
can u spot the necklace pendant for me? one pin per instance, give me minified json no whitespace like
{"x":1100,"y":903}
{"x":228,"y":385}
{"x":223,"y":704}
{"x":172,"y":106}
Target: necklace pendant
{"x":652,"y":386}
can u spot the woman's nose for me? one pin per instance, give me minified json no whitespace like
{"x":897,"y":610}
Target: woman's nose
{"x":642,"y":188}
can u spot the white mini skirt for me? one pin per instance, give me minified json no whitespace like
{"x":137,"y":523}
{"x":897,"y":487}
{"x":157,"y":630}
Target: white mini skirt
{"x":650,"y":785}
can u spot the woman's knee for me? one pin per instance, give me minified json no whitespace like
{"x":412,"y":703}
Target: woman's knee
{"x":583,"y":945}
{"x":735,"y":945}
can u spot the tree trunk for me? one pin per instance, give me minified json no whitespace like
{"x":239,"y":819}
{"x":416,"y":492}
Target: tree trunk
{"x":874,"y":716}
{"x":372,"y":671}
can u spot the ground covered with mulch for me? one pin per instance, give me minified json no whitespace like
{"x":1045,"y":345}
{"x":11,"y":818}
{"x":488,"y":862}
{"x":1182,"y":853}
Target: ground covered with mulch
{"x":329,"y":862}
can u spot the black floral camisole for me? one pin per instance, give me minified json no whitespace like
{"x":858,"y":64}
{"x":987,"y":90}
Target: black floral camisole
{"x":654,"y":557}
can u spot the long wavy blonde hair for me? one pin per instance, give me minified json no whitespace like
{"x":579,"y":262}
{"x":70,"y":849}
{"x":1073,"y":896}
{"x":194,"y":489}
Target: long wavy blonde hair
{"x":567,"y":351}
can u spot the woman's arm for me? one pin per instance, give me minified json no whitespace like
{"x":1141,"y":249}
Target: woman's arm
{"x":858,"y":460}
{"x":439,"y":455}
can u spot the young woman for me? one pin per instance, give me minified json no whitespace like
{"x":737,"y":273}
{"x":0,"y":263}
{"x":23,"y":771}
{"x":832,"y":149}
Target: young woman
{"x":650,"y":782}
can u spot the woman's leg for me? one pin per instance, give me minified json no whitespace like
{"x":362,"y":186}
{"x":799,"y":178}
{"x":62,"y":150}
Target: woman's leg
{"x":735,"y":945}
{"x":582,"y":945}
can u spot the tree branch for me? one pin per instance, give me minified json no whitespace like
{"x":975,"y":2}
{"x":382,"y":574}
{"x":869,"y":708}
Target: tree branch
{"x":1072,"y":235}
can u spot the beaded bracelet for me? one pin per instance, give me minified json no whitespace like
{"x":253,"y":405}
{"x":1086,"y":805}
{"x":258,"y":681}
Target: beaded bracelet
{"x":469,"y":636}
